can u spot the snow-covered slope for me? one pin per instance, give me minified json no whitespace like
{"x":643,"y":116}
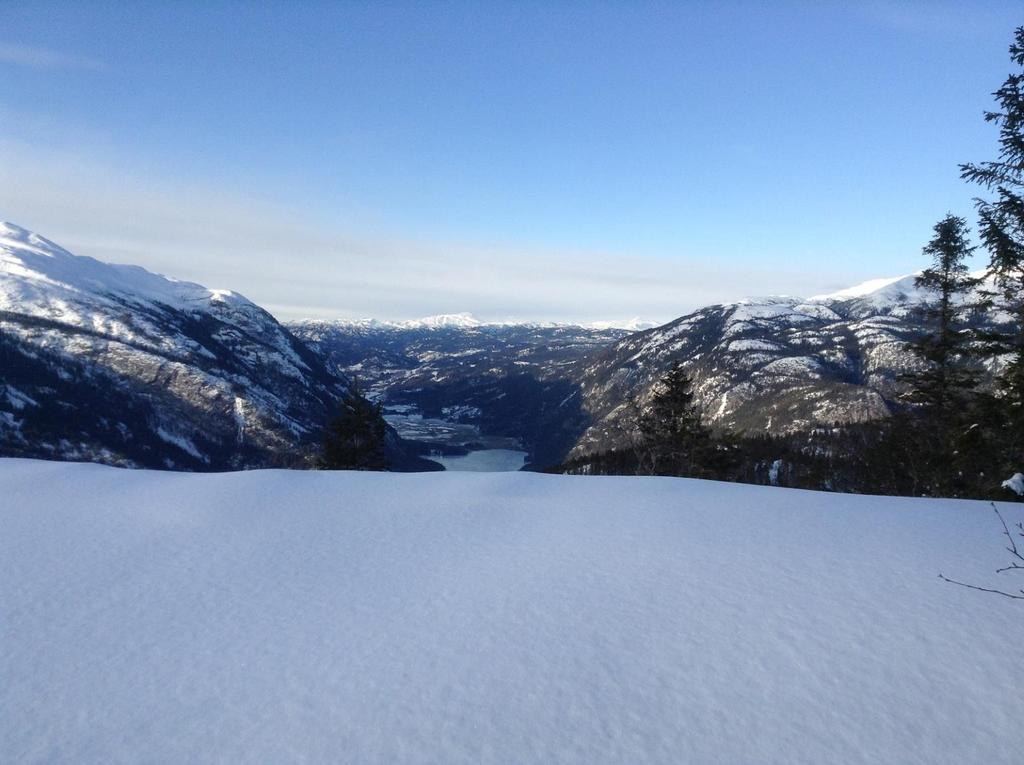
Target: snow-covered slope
{"x":43,"y":279}
{"x":121,"y":365}
{"x":886,"y":286}
{"x":895,"y":296}
{"x":506,"y":618}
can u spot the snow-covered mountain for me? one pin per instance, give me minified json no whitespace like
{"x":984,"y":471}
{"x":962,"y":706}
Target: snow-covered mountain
{"x":117,"y":364}
{"x":774,"y":365}
{"x":440,"y":321}
{"x":636,"y":324}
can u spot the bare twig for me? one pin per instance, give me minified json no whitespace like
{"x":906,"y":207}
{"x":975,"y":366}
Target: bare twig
{"x":1011,"y":567}
{"x":983,"y":589}
{"x":1006,"y":530}
{"x":1014,"y":566}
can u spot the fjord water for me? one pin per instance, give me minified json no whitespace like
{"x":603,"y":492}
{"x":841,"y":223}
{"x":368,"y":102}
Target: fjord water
{"x":485,"y":461}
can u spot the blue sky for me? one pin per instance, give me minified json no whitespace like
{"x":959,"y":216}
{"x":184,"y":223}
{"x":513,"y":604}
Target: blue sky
{"x":552,"y":161}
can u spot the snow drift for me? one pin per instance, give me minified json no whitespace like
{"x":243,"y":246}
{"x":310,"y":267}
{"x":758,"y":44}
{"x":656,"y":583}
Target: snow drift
{"x":462,"y":618}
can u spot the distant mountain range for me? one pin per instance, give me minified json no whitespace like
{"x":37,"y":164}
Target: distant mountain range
{"x":468,"y":321}
{"x":771,"y":365}
{"x":116,"y":364}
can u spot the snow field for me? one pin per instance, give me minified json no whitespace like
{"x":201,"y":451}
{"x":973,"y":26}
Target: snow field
{"x":276,"y":616}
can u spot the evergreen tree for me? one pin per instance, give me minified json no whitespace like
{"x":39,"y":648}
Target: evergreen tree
{"x":673,"y":438}
{"x":355,"y":438}
{"x":945,"y":384}
{"x":942,"y":391}
{"x":1001,"y":229}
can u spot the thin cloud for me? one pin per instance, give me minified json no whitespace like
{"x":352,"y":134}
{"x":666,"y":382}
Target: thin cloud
{"x":299,"y":267}
{"x":938,"y":18}
{"x":15,"y":54}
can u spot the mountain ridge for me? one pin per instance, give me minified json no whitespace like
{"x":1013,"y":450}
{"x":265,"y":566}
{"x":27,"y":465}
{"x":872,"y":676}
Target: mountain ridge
{"x":466,"y":320}
{"x":771,"y":365}
{"x":121,"y":365}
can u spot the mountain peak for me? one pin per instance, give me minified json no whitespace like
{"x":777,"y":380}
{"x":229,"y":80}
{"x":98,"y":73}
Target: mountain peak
{"x":870,"y":287}
{"x":462,"y":320}
{"x":42,"y":277}
{"x":10,"y":230}
{"x":636,"y":324}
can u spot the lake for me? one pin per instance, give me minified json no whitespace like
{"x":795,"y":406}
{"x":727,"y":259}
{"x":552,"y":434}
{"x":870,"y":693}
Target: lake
{"x":485,"y":460}
{"x":496,"y":453}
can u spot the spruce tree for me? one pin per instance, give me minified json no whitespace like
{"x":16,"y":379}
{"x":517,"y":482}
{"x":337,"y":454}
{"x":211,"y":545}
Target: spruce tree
{"x":1001,"y":229}
{"x":675,"y":440}
{"x":945,"y":384}
{"x":928,"y":446}
{"x":356,"y":437}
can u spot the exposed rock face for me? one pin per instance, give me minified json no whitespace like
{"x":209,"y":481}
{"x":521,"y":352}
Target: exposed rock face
{"x":120,"y":365}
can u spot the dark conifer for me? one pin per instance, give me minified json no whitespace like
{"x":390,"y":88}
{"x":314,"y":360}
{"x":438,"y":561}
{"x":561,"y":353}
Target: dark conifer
{"x":931,"y":436}
{"x":1001,"y":229}
{"x":944,"y":385}
{"x":356,"y":437}
{"x":674,"y":438}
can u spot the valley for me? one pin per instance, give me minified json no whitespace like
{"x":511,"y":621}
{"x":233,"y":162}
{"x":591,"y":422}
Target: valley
{"x":458,"y":385}
{"x":142,"y":370}
{"x":775,"y":365}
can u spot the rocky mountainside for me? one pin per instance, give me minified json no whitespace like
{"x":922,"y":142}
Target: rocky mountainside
{"x":116,"y":364}
{"x":774,"y":365}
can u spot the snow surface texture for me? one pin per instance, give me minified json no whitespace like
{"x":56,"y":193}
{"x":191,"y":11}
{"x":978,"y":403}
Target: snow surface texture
{"x":465,"y":618}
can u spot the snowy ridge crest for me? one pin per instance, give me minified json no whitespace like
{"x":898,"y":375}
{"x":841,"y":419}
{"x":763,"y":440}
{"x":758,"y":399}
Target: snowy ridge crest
{"x":40,"y":277}
{"x":466,"y":320}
